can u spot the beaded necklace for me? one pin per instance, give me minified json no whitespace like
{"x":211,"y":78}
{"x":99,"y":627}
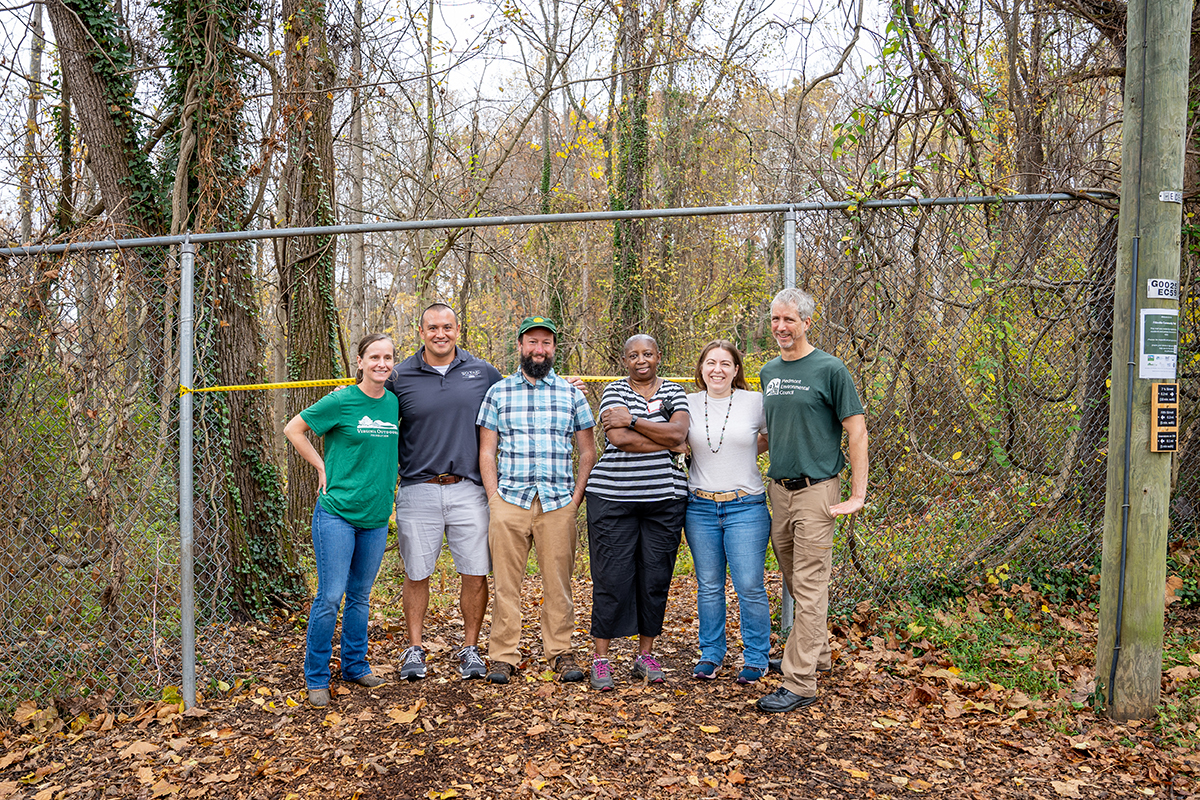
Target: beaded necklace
{"x":707,"y":435}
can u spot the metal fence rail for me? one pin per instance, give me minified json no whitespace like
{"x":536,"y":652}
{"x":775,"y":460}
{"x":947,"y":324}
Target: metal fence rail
{"x":977,"y":332}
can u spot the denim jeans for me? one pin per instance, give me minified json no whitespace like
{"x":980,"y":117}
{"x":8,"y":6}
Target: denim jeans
{"x":348,"y":559}
{"x":731,"y":534}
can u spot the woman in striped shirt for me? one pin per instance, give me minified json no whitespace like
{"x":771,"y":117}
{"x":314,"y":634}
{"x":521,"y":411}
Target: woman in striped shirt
{"x":636,"y":501}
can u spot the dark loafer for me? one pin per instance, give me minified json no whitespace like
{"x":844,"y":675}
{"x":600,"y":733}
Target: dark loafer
{"x":781,"y":700}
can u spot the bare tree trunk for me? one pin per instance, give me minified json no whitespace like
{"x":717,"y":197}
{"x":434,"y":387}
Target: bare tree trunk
{"x":96,"y":64}
{"x":103,"y":100}
{"x":354,"y":214}
{"x":627,"y":308}
{"x":31,"y":125}
{"x":306,"y":263}
{"x":425,"y":267}
{"x":66,"y":170}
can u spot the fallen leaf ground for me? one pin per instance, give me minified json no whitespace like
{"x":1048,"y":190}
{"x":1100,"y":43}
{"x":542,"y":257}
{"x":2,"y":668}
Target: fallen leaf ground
{"x":894,"y":720}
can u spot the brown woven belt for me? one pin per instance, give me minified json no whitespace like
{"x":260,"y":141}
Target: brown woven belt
{"x":445,"y":479}
{"x":721,"y":497}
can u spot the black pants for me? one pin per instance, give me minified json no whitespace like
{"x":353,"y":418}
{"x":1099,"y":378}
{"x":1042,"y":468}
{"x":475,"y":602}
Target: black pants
{"x":633,"y":548}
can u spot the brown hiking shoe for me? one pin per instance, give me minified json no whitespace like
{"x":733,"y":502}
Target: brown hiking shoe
{"x":568,"y":671}
{"x":501,"y":672}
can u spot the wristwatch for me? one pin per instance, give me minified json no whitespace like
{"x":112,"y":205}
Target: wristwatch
{"x":632,"y":423}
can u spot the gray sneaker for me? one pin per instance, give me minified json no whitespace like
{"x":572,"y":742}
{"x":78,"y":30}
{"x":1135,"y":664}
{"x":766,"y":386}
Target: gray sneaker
{"x":369,"y":680}
{"x":412,"y":666}
{"x":647,"y":666}
{"x":601,"y":676}
{"x":470,"y":663}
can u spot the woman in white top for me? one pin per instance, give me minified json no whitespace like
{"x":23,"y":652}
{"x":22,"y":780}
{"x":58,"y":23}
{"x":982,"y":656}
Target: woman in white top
{"x":727,"y":522}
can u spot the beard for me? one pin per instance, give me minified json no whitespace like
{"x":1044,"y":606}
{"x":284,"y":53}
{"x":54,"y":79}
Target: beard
{"x":537,"y":369}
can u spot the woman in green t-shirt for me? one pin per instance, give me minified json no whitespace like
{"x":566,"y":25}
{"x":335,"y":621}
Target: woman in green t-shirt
{"x":356,"y":484}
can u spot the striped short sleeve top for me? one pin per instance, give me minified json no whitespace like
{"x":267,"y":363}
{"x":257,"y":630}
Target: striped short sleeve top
{"x":645,"y":477}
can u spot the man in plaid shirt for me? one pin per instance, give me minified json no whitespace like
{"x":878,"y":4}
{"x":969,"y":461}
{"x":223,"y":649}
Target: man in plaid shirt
{"x":527,"y":425}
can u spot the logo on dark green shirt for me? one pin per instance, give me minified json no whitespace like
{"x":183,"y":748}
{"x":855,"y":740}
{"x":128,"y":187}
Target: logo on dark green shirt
{"x":376,"y":427}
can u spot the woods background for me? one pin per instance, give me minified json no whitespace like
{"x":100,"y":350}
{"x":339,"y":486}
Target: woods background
{"x":980,"y":336}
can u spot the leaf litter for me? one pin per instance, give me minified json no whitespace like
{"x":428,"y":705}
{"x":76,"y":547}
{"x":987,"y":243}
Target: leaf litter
{"x":896,"y":718}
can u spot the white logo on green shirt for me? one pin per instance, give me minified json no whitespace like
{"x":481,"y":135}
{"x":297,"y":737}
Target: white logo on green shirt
{"x":377,"y":427}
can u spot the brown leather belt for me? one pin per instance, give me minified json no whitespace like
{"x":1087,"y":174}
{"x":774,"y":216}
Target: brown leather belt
{"x":721,"y":497}
{"x":445,"y":479}
{"x":792,"y":484}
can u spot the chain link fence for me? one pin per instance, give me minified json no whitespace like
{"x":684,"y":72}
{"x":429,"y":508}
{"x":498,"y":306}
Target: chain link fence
{"x":979,"y":337}
{"x":89,"y":571}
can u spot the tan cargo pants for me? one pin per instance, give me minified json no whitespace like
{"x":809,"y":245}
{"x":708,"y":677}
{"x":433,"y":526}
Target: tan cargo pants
{"x":802,"y":535}
{"x":511,"y":531}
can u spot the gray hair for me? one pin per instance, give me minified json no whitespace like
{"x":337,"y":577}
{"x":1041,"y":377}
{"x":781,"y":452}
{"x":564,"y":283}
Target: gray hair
{"x":638,"y":337}
{"x":798,"y":299}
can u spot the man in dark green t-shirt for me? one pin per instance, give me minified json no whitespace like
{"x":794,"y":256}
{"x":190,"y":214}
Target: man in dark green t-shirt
{"x":809,"y":399}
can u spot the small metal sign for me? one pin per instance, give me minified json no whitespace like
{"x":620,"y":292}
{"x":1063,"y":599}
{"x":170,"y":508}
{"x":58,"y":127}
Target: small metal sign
{"x":1168,"y":196}
{"x":1162,"y":289}
{"x":1164,"y":417}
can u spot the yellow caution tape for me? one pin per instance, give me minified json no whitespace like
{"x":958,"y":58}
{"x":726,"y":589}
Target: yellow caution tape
{"x":286,"y":385}
{"x":350,"y":381}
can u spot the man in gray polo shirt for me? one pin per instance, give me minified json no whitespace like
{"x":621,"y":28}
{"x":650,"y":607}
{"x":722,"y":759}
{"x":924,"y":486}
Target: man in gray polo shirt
{"x":440,"y":389}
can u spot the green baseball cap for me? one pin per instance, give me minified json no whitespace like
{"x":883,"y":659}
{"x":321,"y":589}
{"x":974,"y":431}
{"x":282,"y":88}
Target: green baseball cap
{"x":537,"y":322}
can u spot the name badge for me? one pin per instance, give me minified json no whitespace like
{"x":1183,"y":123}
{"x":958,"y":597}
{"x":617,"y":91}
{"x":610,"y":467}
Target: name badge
{"x":654,"y":406}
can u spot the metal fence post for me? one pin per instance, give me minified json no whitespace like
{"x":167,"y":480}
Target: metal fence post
{"x":787,"y":611}
{"x":187,"y":605}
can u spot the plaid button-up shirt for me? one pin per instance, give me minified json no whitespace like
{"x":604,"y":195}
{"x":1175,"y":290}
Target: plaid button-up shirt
{"x":535,"y":425}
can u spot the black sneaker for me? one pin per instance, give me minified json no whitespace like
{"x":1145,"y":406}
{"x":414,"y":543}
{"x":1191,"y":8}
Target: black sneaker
{"x":412,"y":666}
{"x":568,"y":671}
{"x":501,"y":672}
{"x":470,"y":663}
{"x":782,"y":700}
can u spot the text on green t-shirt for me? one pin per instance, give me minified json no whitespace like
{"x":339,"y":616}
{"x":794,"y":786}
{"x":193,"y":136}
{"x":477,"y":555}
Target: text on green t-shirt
{"x":361,"y":447}
{"x":805,"y":402}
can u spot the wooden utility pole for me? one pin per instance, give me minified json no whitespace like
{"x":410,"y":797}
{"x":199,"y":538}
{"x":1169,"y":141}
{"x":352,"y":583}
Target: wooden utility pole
{"x":1139,"y":493}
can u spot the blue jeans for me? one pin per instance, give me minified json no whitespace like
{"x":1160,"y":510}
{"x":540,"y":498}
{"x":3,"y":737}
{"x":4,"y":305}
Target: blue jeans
{"x":348,"y":559}
{"x":731,"y":534}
